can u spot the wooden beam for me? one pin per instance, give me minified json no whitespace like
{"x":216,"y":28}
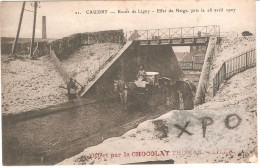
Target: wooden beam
{"x":33,"y":33}
{"x":19,"y":28}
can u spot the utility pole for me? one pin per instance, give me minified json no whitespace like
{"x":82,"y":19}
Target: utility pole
{"x":33,"y":33}
{"x":19,"y":28}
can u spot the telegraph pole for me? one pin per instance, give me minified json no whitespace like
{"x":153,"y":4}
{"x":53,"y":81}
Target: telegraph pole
{"x":33,"y":33}
{"x":19,"y":28}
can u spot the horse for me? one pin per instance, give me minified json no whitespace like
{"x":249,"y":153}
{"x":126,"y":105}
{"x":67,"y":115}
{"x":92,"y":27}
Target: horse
{"x":187,"y":89}
{"x":129,"y":90}
{"x":192,"y":87}
{"x":122,"y":88}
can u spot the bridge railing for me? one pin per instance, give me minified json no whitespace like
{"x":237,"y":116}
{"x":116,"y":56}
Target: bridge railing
{"x":234,"y":66}
{"x":171,"y":33}
{"x":228,"y":34}
{"x":191,"y":65}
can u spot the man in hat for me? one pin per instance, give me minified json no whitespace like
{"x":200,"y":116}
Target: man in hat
{"x":141,"y":76}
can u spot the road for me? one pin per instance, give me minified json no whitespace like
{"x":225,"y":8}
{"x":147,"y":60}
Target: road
{"x":49,"y":139}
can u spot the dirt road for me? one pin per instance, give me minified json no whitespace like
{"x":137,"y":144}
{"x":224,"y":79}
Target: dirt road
{"x":46,"y":140}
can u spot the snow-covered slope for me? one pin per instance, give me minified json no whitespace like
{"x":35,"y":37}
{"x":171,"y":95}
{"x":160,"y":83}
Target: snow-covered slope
{"x":85,"y":62}
{"x":240,"y":90}
{"x":229,"y":48}
{"x":30,"y":84}
{"x":33,"y":84}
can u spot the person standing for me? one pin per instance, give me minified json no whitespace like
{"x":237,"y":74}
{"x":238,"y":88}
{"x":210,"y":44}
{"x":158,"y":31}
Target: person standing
{"x":72,"y":90}
{"x":141,"y":74}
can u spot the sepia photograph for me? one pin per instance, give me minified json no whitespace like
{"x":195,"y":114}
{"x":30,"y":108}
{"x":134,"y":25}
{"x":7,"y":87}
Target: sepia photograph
{"x":128,"y":82}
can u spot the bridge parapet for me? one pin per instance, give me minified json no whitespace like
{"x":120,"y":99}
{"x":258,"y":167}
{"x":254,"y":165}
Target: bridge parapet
{"x":171,"y":33}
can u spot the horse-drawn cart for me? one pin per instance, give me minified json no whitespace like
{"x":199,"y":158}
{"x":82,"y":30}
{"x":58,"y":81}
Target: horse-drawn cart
{"x":152,"y":91}
{"x":140,"y":93}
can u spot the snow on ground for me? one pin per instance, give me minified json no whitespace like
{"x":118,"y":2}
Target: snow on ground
{"x":85,"y":62}
{"x":229,"y":48}
{"x":240,"y":89}
{"x":30,"y":84}
{"x":154,"y":136}
{"x":158,"y":136}
{"x":33,"y":84}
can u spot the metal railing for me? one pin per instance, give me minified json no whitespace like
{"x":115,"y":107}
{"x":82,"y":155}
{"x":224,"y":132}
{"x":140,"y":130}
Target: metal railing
{"x":227,"y":34}
{"x":170,"y":33}
{"x":234,"y":66}
{"x":191,"y":65}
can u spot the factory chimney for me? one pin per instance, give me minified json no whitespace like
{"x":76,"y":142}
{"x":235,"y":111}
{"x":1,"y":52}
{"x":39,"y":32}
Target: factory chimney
{"x":44,"y":32}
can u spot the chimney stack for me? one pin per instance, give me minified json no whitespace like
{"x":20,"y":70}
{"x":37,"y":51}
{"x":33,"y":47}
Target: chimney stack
{"x":44,"y":32}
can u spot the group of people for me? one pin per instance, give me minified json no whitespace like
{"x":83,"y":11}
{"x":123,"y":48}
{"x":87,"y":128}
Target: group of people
{"x":72,"y":87}
{"x":177,"y":93}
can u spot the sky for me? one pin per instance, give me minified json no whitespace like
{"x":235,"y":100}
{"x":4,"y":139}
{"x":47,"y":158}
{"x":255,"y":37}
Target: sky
{"x":62,"y":20}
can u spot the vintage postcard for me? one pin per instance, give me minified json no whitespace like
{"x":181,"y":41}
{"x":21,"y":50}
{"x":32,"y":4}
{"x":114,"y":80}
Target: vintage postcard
{"x":128,"y":82}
